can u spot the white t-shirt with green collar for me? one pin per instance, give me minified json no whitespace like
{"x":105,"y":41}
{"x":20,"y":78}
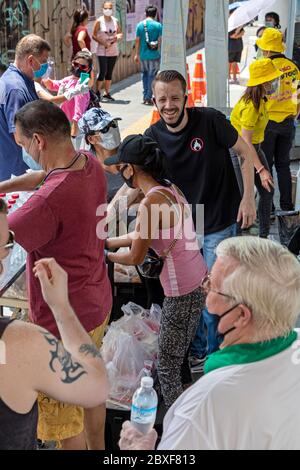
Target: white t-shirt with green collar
{"x":246,"y":406}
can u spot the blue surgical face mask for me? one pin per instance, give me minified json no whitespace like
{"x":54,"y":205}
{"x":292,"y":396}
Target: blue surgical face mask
{"x":30,"y":162}
{"x":41,"y":72}
{"x":270,"y":24}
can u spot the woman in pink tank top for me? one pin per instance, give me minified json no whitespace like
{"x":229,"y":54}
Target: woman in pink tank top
{"x":106,"y":33}
{"x":163,"y":216}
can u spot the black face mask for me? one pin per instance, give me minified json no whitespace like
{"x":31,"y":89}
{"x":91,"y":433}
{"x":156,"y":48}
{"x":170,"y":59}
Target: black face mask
{"x":128,"y":181}
{"x":179,"y":120}
{"x":76,"y":71}
{"x":221,"y":336}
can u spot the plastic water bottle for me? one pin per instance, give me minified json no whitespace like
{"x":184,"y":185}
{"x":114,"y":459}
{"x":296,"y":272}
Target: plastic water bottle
{"x":144,"y":406}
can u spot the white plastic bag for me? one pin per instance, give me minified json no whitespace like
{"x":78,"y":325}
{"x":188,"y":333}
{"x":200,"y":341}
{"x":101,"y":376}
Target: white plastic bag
{"x":125,"y":367}
{"x":128,"y":343}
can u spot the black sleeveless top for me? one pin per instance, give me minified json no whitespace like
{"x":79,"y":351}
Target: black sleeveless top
{"x":17,"y":431}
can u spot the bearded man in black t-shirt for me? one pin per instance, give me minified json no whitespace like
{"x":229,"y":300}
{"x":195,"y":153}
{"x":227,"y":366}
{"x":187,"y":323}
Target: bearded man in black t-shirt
{"x":196,"y":144}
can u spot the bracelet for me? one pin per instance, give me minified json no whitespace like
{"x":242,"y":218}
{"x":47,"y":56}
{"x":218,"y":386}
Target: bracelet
{"x":260,"y":170}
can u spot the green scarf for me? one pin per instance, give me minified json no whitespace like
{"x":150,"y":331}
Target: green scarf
{"x":246,"y":353}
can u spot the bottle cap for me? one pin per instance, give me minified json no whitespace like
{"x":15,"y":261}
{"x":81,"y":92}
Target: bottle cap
{"x":2,"y":194}
{"x":11,"y":201}
{"x":15,"y":196}
{"x":147,"y":382}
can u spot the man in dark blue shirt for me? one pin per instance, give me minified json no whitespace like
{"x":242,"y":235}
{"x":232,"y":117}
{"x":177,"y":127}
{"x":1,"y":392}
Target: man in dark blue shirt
{"x":17,"y":89}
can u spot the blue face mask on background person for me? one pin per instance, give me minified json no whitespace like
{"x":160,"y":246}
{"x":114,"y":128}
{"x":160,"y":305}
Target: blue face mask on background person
{"x":30,"y":162}
{"x":27,"y":158}
{"x":41,"y":71}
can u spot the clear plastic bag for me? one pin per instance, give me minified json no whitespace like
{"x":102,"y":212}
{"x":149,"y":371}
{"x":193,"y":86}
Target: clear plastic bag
{"x":126,"y":365}
{"x":132,"y":309}
{"x":141,"y":322}
{"x":152,"y":319}
{"x":129,"y":343}
{"x":136,"y":326}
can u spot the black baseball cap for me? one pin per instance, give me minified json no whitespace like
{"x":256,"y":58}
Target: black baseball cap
{"x":134,"y":149}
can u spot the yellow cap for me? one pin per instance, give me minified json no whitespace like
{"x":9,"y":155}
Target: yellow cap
{"x":271,"y":40}
{"x":262,"y":71}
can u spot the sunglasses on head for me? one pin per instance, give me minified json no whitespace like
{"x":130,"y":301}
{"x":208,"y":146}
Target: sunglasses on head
{"x":106,"y":128}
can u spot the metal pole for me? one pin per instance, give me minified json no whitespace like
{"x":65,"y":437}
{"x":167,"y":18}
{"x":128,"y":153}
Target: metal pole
{"x":173,"y":51}
{"x":292,"y":8}
{"x":216,"y":53}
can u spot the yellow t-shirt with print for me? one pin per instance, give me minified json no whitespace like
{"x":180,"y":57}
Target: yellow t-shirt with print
{"x":284,"y":103}
{"x":245,"y":116}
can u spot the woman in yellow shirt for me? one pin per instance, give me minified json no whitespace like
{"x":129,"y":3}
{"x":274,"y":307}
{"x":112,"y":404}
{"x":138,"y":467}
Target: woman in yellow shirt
{"x":250,"y":118}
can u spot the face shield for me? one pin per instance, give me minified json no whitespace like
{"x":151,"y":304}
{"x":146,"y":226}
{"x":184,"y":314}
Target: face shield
{"x":273,"y":88}
{"x":259,"y":54}
{"x":110,"y":136}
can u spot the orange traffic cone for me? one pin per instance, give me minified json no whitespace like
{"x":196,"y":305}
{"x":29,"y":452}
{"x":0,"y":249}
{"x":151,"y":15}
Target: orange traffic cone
{"x":155,"y":116}
{"x":199,"y":82}
{"x":190,"y":101}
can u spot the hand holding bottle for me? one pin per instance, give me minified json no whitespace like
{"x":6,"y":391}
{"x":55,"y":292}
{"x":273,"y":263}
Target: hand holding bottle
{"x":132,"y":439}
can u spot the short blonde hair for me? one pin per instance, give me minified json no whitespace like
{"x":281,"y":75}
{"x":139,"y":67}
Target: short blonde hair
{"x":267,"y":280}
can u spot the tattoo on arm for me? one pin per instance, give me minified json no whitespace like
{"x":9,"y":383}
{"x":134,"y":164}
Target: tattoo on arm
{"x":71,"y":370}
{"x":90,"y":349}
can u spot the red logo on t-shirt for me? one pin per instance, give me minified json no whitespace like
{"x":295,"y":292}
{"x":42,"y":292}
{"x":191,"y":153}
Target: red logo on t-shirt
{"x":197,"y":144}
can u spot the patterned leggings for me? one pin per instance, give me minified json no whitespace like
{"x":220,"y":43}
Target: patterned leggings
{"x":180,"y":318}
